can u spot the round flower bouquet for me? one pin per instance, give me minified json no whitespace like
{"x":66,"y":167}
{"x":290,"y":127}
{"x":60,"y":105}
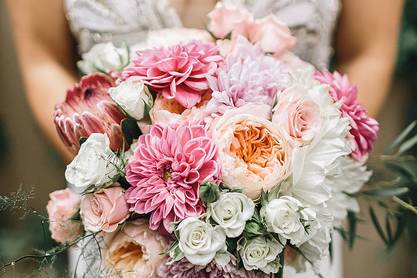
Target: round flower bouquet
{"x":220,"y":155}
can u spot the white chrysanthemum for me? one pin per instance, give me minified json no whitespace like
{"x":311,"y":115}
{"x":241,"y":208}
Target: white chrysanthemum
{"x":346,"y":175}
{"x":311,"y":162}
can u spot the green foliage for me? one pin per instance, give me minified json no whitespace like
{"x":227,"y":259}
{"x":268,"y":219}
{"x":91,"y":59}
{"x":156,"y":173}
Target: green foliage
{"x":130,"y":130}
{"x":209,"y":192}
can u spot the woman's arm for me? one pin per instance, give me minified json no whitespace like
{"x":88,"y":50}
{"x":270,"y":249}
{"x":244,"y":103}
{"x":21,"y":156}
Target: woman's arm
{"x":44,"y":49}
{"x":366,"y":44}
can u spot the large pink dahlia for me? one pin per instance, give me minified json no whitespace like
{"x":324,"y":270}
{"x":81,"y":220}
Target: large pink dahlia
{"x":363,"y":128}
{"x":166,"y":171}
{"x":178,"y":72}
{"x":87,"y":109}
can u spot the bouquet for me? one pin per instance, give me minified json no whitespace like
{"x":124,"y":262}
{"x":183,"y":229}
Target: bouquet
{"x":220,"y":155}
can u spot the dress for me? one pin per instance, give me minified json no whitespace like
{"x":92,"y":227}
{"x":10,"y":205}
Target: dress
{"x":312,"y":22}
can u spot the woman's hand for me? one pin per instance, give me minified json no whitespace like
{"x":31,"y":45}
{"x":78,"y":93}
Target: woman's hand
{"x":366,"y":47}
{"x":44,"y":49}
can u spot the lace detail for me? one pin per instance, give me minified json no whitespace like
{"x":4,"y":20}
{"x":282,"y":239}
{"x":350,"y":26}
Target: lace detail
{"x":92,"y":21}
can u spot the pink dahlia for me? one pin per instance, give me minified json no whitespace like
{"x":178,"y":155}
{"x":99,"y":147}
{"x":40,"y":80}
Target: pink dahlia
{"x":178,"y":72}
{"x":87,"y":109}
{"x":364,"y":129}
{"x":166,"y":171}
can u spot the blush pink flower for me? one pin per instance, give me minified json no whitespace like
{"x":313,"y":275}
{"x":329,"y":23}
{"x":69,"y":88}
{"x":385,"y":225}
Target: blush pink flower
{"x":225,"y":17}
{"x":364,"y":129}
{"x":104,"y":210}
{"x":87,"y":109}
{"x":61,"y":208}
{"x":178,"y":72}
{"x":166,"y":171}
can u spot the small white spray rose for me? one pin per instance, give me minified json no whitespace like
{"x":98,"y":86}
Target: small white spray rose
{"x":288,"y":218}
{"x":95,"y":164}
{"x":231,"y":211}
{"x":133,"y":97}
{"x":199,"y":241}
{"x":104,"y":57}
{"x":260,"y":253}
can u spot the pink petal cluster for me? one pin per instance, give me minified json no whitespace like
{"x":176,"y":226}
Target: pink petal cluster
{"x":178,"y":72}
{"x":247,"y":76}
{"x":62,"y":206}
{"x":184,"y":269}
{"x":87,"y":109}
{"x":364,"y":129}
{"x":166,"y":171}
{"x":104,"y":210}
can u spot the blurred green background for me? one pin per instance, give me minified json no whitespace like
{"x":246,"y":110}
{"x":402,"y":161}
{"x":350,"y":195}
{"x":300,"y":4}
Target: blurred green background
{"x":27,"y":159}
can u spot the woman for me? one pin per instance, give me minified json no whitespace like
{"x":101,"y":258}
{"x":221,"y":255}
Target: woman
{"x":365,"y":42}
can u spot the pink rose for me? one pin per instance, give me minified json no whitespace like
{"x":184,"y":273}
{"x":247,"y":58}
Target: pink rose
{"x":104,"y":210}
{"x":298,"y":114}
{"x":272,"y":35}
{"x":135,"y":250}
{"x":62,"y":206}
{"x":225,"y":17}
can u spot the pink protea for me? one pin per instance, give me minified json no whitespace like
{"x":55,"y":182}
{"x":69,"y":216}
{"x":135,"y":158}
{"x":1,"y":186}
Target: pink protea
{"x":166,"y":171}
{"x":178,"y":72}
{"x":364,"y":129}
{"x":87,"y":109}
{"x":184,"y":269}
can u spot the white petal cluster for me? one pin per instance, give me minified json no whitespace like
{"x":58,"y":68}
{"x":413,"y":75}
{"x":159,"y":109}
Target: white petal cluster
{"x":104,"y":57}
{"x":288,"y":218}
{"x":260,"y":253}
{"x":231,"y":211}
{"x":199,"y":241}
{"x":94,"y":165}
{"x":133,"y":97}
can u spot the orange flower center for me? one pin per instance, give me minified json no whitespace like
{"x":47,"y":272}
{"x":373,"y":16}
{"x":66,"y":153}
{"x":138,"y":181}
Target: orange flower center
{"x":125,"y":257}
{"x":256,"y":146}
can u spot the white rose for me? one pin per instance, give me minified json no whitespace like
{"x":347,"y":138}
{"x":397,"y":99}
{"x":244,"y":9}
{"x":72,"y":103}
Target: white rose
{"x":260,"y":253}
{"x":288,"y":218}
{"x":199,"y":241}
{"x":104,"y":57}
{"x":231,"y":211}
{"x":133,"y":97}
{"x":95,"y":164}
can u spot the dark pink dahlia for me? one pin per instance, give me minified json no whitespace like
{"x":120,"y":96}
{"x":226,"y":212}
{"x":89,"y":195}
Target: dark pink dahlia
{"x":166,"y":171}
{"x":178,"y":72}
{"x":87,"y":109}
{"x":364,"y":129}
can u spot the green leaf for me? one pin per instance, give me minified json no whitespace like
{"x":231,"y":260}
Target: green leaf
{"x":231,"y":244}
{"x":76,"y":216}
{"x":352,"y":225}
{"x":253,"y":229}
{"x":377,"y":225}
{"x":82,"y":140}
{"x":406,"y":168}
{"x":274,"y":193}
{"x":264,"y":198}
{"x":401,"y":137}
{"x":385,"y":192}
{"x":209,"y":192}
{"x":130,"y":130}
{"x":407,"y":145}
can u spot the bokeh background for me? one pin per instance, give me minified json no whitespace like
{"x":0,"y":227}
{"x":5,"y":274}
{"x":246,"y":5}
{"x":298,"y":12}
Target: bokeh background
{"x":27,"y":159}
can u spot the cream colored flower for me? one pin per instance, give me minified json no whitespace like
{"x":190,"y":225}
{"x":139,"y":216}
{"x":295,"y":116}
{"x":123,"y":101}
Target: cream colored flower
{"x":134,"y":251}
{"x":252,"y":152}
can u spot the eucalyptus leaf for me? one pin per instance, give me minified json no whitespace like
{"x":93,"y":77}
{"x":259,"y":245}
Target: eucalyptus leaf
{"x":385,"y":192}
{"x":209,"y":192}
{"x":402,"y":136}
{"x":377,"y":225}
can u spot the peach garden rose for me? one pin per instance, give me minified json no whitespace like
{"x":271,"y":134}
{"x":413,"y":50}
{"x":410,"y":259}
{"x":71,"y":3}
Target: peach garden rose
{"x":253,"y":153}
{"x":135,"y":250}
